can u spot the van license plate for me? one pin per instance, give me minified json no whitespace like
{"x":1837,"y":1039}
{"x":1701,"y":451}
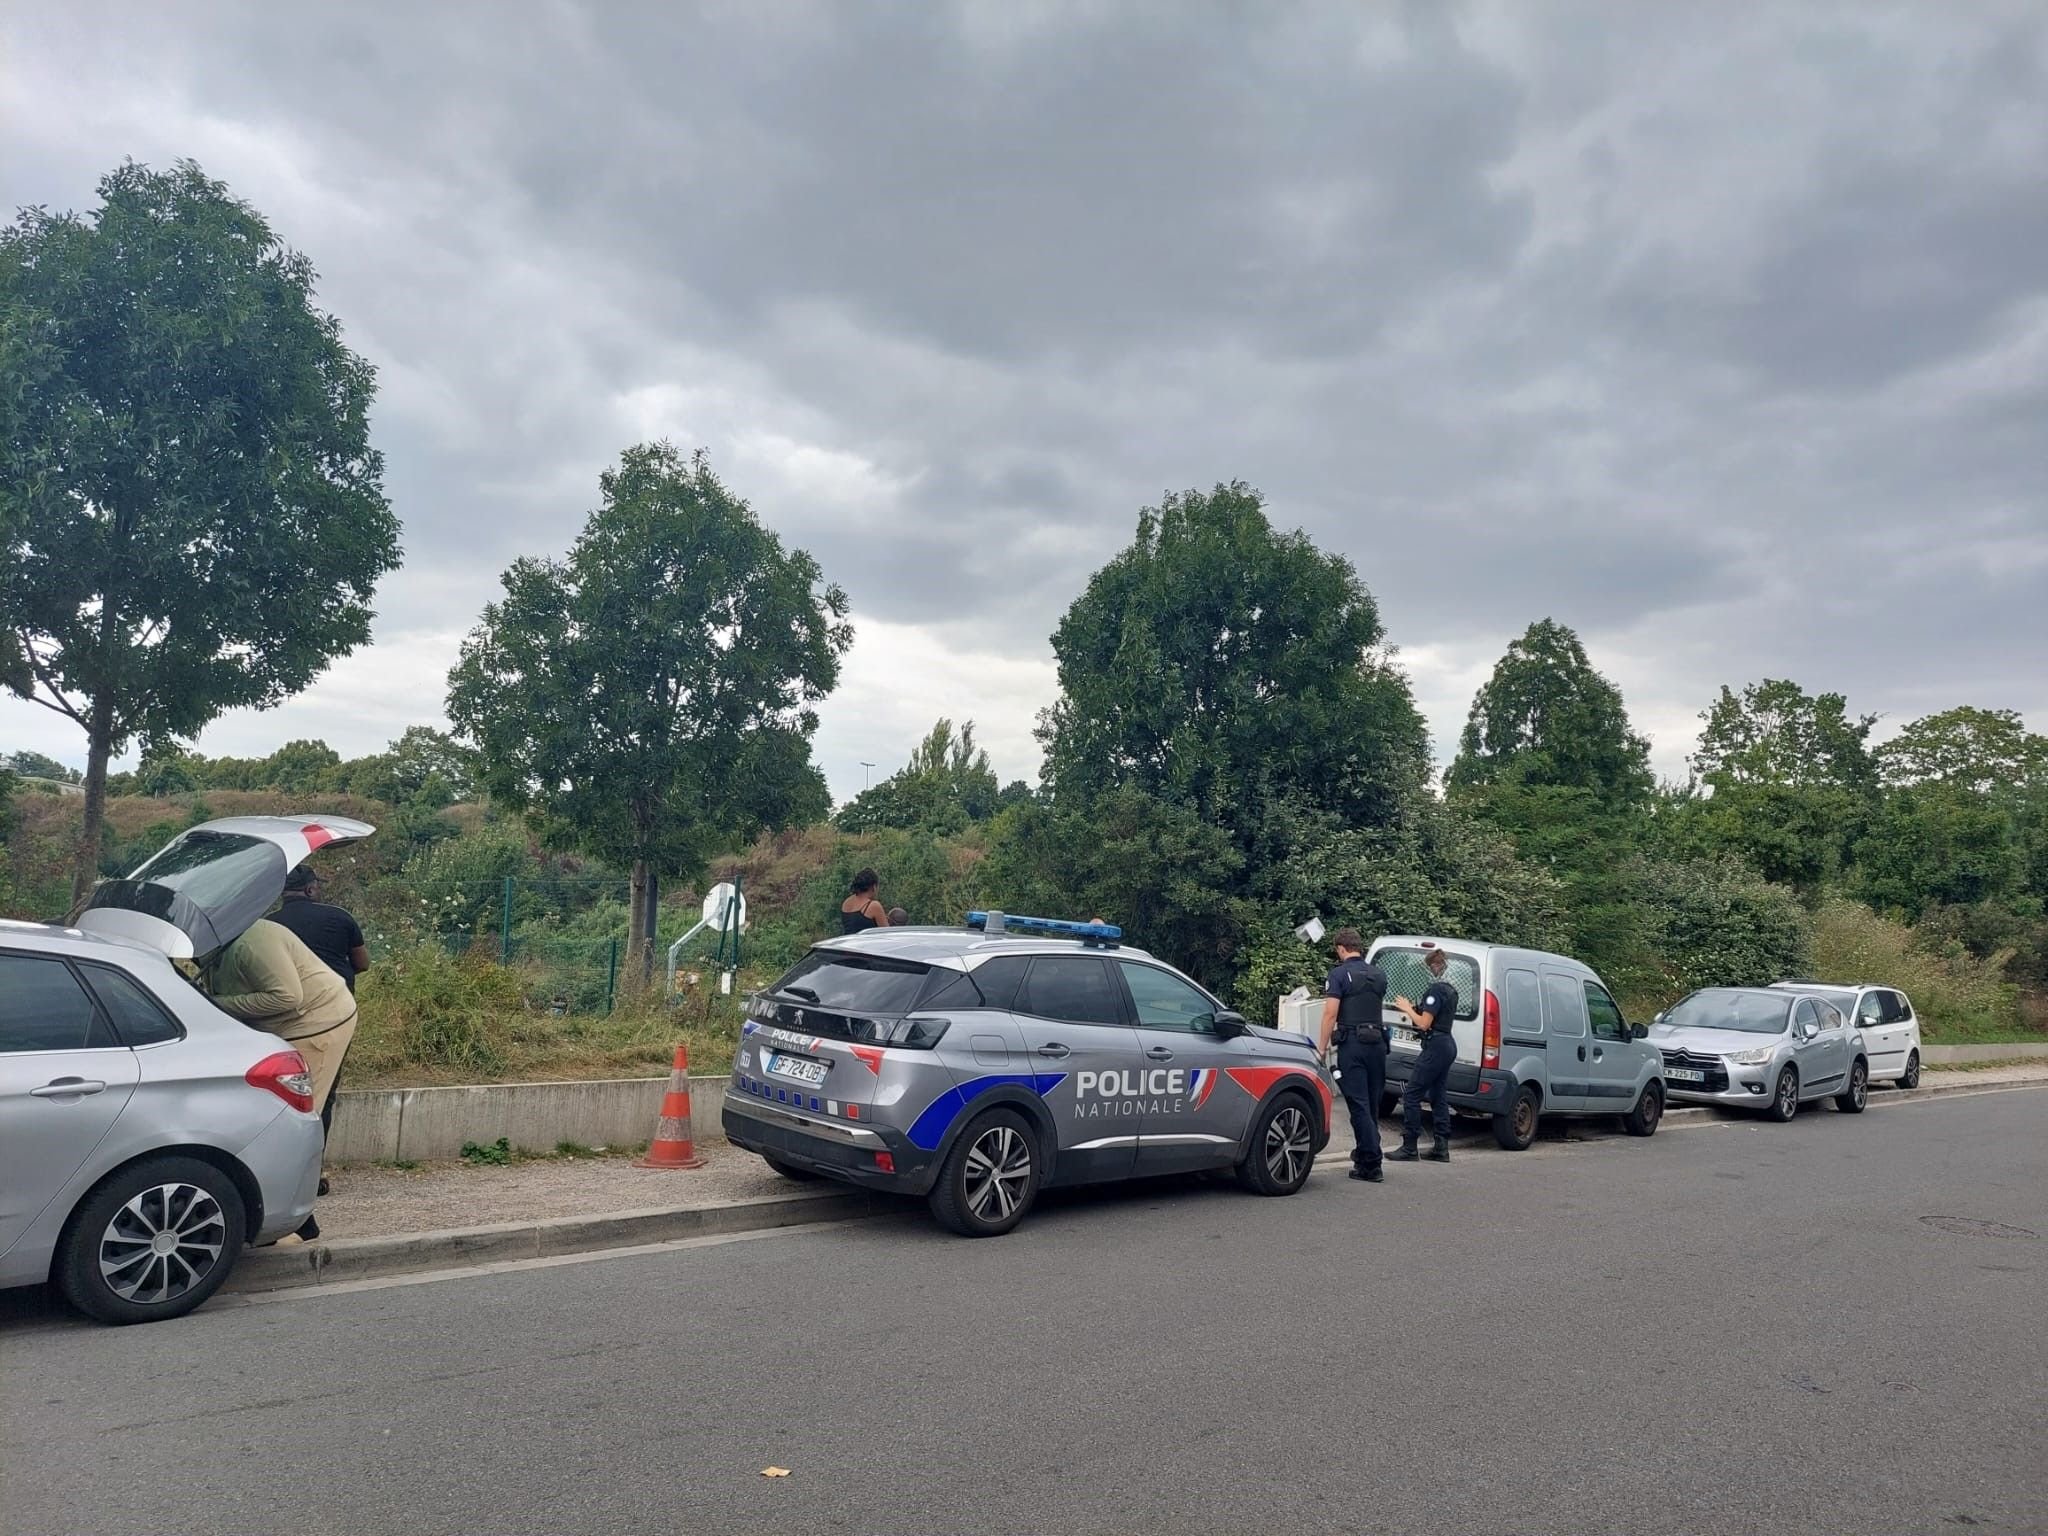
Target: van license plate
{"x":1684,"y":1075}
{"x":800,"y":1068}
{"x":1406,"y":1037}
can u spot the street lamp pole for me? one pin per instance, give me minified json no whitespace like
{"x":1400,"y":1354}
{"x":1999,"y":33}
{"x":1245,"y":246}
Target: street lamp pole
{"x":864,"y":768}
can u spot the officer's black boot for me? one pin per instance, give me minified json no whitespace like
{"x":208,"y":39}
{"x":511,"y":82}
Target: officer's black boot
{"x":1405,"y":1153}
{"x":1439,"y":1150}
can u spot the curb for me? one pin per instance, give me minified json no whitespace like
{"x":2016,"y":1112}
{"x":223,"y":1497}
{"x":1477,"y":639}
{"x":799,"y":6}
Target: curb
{"x":361,"y":1258}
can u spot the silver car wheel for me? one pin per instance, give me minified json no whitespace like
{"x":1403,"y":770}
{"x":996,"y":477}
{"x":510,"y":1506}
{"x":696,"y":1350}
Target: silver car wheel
{"x":162,"y":1243}
{"x":998,"y":1169}
{"x":1287,"y":1145}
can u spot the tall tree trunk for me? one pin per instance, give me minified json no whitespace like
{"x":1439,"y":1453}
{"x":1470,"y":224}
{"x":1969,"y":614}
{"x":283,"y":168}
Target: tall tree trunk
{"x":85,"y":868}
{"x":652,"y":928}
{"x":636,"y":928}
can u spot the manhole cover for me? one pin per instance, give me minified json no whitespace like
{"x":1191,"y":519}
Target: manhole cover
{"x":1970,"y":1226}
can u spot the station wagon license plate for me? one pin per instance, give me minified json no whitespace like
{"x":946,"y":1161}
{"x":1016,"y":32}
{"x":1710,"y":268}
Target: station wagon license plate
{"x":800,"y":1069}
{"x":1685,"y":1075}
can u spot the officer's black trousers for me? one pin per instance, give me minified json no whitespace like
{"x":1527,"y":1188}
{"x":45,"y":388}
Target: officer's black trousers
{"x":1430,"y":1079}
{"x":1362,"y":1074}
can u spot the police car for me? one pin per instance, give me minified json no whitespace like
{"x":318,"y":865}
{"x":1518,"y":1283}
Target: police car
{"x":977,"y":1065}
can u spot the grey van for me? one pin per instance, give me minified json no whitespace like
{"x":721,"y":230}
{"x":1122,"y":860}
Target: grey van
{"x":1538,"y":1034}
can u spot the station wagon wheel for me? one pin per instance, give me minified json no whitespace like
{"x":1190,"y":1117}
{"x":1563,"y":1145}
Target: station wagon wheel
{"x":152,"y":1242}
{"x":1283,"y":1148}
{"x":1785,"y":1097}
{"x":990,"y":1178}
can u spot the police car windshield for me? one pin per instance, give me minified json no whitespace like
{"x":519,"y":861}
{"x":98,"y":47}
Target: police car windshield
{"x":1752,"y":1013}
{"x":854,"y":983}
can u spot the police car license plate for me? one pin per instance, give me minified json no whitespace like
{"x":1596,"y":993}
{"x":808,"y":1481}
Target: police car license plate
{"x":799,"y":1068}
{"x":1685,"y":1075}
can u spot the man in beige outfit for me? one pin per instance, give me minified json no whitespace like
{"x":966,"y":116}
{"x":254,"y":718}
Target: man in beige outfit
{"x":269,"y":980}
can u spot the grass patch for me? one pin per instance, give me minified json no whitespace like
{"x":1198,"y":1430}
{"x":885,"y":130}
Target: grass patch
{"x":431,"y":1019}
{"x":1961,"y":999}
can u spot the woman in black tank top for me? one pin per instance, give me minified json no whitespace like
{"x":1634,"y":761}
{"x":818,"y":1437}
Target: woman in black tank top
{"x":863,"y":909}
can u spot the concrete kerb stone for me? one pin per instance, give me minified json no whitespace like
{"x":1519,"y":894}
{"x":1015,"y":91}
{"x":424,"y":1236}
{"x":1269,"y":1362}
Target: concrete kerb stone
{"x":386,"y":1125}
{"x":362,"y":1258}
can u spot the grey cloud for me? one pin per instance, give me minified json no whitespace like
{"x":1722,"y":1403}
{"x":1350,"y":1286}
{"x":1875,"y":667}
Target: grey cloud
{"x":1666,"y":323}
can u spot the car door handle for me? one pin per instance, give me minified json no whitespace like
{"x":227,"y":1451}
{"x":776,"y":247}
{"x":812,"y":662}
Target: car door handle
{"x":1055,"y":1050}
{"x":67,"y":1088}
{"x":1160,"y":1053}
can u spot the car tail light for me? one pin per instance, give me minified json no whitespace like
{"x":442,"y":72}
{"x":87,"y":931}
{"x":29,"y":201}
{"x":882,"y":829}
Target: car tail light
{"x":885,"y":1162}
{"x":285,"y":1074}
{"x":1489,"y":1036}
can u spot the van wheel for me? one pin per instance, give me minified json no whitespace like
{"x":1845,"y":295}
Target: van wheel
{"x":1283,"y":1149}
{"x":1912,"y":1077}
{"x":1649,"y":1110}
{"x":152,"y":1242}
{"x":1515,"y":1128}
{"x":1785,"y":1097}
{"x":1852,"y":1100}
{"x":990,"y":1177}
{"x":791,"y":1171}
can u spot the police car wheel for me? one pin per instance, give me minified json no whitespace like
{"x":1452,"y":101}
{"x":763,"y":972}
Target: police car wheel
{"x":791,"y":1171}
{"x":1516,"y":1128}
{"x":1283,"y":1148}
{"x":990,"y":1177}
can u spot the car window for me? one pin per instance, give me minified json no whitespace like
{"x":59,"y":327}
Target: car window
{"x":1524,"y":1004}
{"x":1164,"y":1001}
{"x":1564,"y":1004}
{"x":1606,"y":1016}
{"x":1895,"y":1008}
{"x":855,"y":983}
{"x":1000,"y":979}
{"x":1075,"y":988}
{"x":1408,"y":977}
{"x":951,"y":989}
{"x":1805,"y":1013}
{"x":137,"y":1017}
{"x":1870,"y":1009}
{"x":43,"y":1008}
{"x":1828,"y":1015}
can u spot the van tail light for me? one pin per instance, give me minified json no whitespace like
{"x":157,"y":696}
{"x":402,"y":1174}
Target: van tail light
{"x":1489,"y":1038}
{"x":285,"y":1074}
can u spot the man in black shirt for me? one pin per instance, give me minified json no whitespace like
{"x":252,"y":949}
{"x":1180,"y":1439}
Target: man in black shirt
{"x":327,"y":930}
{"x":1354,"y":998}
{"x":1432,"y":1074}
{"x":332,"y":934}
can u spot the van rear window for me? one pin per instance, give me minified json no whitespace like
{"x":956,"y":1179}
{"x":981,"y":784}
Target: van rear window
{"x":1408,"y":977}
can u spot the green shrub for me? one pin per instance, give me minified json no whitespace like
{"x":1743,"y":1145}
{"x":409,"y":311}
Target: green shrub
{"x":1958,"y":996}
{"x":429,"y":1008}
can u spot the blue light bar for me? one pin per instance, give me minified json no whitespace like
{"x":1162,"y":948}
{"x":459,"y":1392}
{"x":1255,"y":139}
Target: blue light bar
{"x":1006,"y":922}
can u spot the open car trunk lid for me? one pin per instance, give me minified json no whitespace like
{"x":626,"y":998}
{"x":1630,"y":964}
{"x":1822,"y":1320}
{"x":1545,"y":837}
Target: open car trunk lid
{"x":203,"y":889}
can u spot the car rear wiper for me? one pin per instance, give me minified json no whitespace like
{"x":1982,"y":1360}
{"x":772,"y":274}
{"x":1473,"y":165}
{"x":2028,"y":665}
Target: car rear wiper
{"x":804,"y":992}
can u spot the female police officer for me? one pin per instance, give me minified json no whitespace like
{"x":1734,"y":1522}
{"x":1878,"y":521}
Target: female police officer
{"x":1432,"y":1071}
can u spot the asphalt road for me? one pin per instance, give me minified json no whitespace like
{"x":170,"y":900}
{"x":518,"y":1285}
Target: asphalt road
{"x":1732,"y":1327}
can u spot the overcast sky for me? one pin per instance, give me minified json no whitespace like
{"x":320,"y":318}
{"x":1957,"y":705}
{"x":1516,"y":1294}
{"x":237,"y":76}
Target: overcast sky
{"x":1719,"y":333}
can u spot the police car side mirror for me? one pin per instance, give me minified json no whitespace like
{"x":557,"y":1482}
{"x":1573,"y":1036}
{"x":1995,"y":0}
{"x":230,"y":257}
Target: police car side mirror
{"x":1230,"y":1025}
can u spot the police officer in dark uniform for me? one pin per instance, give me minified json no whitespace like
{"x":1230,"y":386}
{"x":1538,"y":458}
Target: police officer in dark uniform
{"x":1432,"y":1074}
{"x":1354,"y":999}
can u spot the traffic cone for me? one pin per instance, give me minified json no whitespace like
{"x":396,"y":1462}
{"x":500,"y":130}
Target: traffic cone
{"x":672,"y":1147}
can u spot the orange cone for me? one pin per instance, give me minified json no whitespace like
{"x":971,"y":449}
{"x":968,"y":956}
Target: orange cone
{"x":672,"y":1147}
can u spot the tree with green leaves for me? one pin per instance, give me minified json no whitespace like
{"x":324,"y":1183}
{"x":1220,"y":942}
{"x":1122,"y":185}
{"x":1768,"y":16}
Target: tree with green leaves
{"x":1791,"y":783}
{"x":1982,"y":751}
{"x":1219,"y":664}
{"x":1546,"y":719}
{"x":648,"y":699}
{"x":947,"y":784}
{"x":193,"y":515}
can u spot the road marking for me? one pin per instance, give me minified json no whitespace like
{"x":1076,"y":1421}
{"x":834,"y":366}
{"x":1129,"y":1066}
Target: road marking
{"x":513,"y":1266}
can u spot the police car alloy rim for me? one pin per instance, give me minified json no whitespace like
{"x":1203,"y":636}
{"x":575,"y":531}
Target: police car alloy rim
{"x":998,"y":1169}
{"x":162,"y":1243}
{"x":1287,"y":1144}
